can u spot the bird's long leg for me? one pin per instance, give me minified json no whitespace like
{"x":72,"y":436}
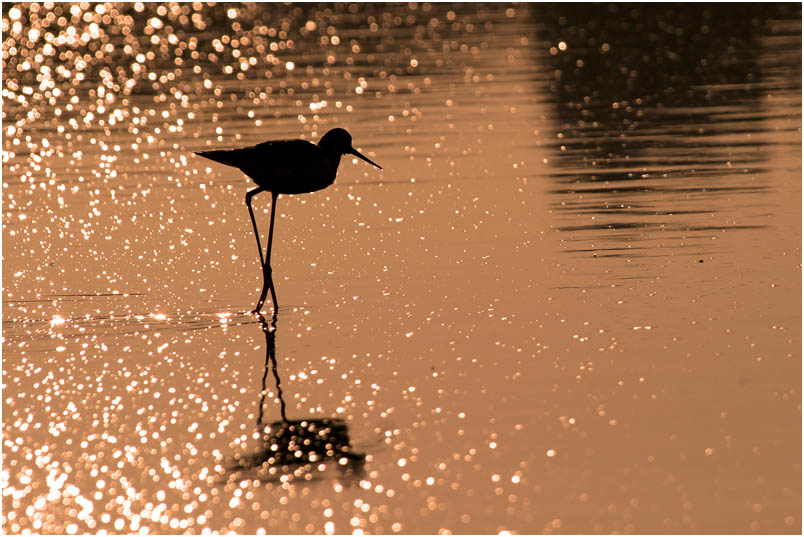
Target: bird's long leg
{"x":250,"y":194}
{"x":268,"y":281}
{"x":267,"y":269}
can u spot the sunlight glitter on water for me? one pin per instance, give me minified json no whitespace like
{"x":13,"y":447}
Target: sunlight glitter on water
{"x":569,"y":252}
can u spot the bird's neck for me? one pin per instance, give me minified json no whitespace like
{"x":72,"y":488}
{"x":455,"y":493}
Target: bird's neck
{"x":334,"y":160}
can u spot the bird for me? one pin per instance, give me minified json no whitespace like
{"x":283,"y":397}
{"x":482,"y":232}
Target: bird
{"x":286,"y":167}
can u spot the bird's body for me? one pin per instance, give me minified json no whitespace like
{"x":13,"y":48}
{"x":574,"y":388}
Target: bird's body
{"x":286,"y":167}
{"x":282,"y":166}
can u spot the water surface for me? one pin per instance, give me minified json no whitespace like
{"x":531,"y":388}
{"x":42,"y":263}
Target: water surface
{"x":570,"y":302}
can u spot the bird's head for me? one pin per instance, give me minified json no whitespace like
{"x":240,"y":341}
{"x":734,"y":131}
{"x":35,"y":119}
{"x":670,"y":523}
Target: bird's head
{"x":340,"y":142}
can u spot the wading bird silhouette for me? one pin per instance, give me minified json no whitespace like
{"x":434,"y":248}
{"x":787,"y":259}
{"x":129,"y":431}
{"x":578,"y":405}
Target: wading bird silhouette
{"x":286,"y":167}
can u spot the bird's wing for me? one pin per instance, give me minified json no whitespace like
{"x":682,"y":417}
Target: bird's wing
{"x":219,"y":155}
{"x":277,"y":155}
{"x":284,"y":158}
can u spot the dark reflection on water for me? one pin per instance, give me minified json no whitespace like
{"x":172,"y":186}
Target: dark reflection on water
{"x":656,"y":108}
{"x":656,"y":69}
{"x":300,"y":448}
{"x":270,"y":359}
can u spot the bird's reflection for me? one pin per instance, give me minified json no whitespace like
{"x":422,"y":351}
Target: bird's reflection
{"x":296,"y":448}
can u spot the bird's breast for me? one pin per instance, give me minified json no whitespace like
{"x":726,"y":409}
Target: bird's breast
{"x":305,"y":173}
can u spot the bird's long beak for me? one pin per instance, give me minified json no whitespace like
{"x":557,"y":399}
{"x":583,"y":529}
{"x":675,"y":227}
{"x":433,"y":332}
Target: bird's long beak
{"x":356,"y":153}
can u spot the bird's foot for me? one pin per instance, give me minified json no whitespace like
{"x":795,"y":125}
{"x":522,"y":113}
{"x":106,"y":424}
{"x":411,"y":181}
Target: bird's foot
{"x":258,"y":308}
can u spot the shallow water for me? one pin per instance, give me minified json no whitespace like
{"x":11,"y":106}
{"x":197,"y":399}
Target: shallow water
{"x":570,"y":302}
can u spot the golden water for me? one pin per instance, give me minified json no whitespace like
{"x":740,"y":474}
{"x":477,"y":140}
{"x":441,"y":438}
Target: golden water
{"x":570,"y":302}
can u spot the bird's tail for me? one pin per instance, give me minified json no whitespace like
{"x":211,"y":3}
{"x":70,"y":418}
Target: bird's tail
{"x":223,"y":156}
